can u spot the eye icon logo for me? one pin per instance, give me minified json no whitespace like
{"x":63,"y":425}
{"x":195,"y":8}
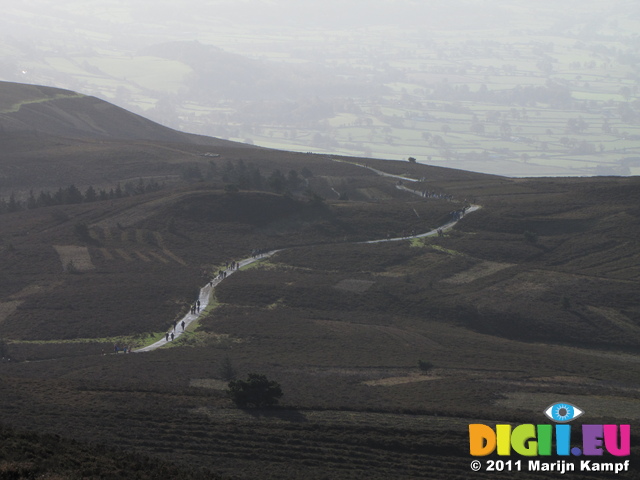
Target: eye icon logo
{"x":563,"y":412}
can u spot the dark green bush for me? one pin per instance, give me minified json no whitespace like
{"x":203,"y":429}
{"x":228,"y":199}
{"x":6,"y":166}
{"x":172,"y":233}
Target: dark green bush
{"x":257,"y":391}
{"x":424,"y":366}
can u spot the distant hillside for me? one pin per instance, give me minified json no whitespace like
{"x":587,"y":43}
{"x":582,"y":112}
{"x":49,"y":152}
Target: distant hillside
{"x":219,"y":74}
{"x":53,"y":138}
{"x":53,"y":111}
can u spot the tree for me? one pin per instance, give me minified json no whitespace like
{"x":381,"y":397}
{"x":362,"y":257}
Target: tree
{"x":277,"y":181}
{"x":81,"y":230}
{"x":31,"y":201}
{"x":424,"y":366}
{"x":293,"y":180}
{"x":14,"y":205}
{"x":90,"y":194}
{"x":505,"y":129}
{"x":226,"y":370}
{"x":72,"y":195}
{"x":257,"y":391}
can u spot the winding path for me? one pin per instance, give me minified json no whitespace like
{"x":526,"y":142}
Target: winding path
{"x":204,"y":297}
{"x":205,"y":292}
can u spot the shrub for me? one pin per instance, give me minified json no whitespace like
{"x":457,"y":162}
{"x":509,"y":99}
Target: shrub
{"x":530,"y":237}
{"x":226,"y":370}
{"x":424,"y":366}
{"x":81,"y":230}
{"x":257,"y":391}
{"x":71,"y":267}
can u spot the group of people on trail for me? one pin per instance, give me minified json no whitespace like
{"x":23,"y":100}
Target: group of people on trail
{"x":440,"y":196}
{"x":195,"y":308}
{"x":117,"y":348}
{"x":458,"y":214}
{"x":222,"y":274}
{"x":258,"y":252}
{"x":172,"y":333}
{"x":427,"y":193}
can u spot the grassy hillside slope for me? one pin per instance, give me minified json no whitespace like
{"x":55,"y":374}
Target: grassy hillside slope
{"x":63,"y":113}
{"x":53,"y":138}
{"x":526,"y":301}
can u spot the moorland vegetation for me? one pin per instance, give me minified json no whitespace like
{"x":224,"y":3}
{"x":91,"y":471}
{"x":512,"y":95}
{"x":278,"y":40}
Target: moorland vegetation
{"x":507,"y":321}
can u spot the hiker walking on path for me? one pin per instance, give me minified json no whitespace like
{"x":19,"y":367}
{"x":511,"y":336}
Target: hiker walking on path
{"x":259,"y":253}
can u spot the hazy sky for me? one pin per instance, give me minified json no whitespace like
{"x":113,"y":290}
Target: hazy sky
{"x":69,"y":23}
{"x":328,"y":13}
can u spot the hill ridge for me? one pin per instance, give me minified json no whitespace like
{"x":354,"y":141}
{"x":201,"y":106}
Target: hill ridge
{"x":64,"y":113}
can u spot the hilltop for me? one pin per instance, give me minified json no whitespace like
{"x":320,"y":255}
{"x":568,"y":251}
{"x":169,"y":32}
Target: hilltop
{"x":48,"y":111}
{"x":53,"y":138}
{"x":530,"y":299}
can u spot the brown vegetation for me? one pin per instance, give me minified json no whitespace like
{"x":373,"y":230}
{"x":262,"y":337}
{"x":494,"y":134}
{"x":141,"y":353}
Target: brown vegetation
{"x":341,"y":326}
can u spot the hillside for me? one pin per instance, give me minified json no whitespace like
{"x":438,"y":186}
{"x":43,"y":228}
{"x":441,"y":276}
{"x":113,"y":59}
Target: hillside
{"x":53,"y":138}
{"x":525,"y":301}
{"x":40,"y":110}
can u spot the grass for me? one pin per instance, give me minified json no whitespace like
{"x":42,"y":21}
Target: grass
{"x":134,"y":341}
{"x":17,"y":106}
{"x":619,"y":407}
{"x":341,"y":326}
